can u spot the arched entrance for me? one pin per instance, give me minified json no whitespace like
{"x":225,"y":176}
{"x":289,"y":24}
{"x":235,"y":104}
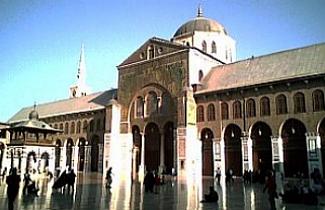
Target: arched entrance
{"x":57,"y":151}
{"x":262,"y":148}
{"x":169,"y":146}
{"x":136,"y":147}
{"x":294,"y":148}
{"x":44,"y":162}
{"x":152,"y":147}
{"x":94,"y":152}
{"x":81,"y":162}
{"x":31,"y":161}
{"x":207,"y":152}
{"x":233,"y":152}
{"x":69,"y":149}
{"x":321,"y":131}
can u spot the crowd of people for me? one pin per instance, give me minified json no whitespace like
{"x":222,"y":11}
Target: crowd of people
{"x":297,"y":190}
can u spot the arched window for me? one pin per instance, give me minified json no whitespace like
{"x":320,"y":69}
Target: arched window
{"x":213,"y":47}
{"x":98,"y":127}
{"x":72,"y":128}
{"x":84,"y":127}
{"x":251,"y":108}
{"x":299,"y":103}
{"x":78,"y":126}
{"x":66,"y":128}
{"x":224,"y":111}
{"x":265,"y":106}
{"x":237,"y":109}
{"x":91,"y":126}
{"x":200,"y":114}
{"x":281,"y":104}
{"x":56,"y":126}
{"x":139,"y":107}
{"x":200,"y":75}
{"x":152,"y":103}
{"x":226,"y":53}
{"x":151,"y":52}
{"x":204,"y":46}
{"x":61,"y":126}
{"x":318,"y":101}
{"x":211,"y":113}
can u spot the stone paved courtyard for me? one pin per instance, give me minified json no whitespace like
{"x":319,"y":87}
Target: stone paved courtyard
{"x":90,"y":194}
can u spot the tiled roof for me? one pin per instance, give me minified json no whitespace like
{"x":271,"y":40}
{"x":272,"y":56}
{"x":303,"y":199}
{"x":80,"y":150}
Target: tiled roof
{"x":90,"y":102}
{"x":302,"y":62}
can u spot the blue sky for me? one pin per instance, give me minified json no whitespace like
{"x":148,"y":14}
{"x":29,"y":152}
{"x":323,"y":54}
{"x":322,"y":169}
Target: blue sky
{"x":40,"y":40}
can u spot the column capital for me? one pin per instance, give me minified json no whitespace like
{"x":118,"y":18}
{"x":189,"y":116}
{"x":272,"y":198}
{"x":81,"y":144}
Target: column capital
{"x":311,"y":134}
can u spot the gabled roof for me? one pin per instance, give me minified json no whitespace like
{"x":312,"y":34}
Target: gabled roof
{"x":90,"y":102}
{"x":296,"y":63}
{"x":34,"y":125}
{"x":141,"y":53}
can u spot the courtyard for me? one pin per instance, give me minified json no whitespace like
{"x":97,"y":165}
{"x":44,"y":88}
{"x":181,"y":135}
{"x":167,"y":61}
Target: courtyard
{"x":90,"y":194}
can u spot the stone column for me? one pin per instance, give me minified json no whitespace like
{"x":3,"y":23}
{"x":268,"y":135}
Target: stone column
{"x":142,"y":166}
{"x":250,"y":153}
{"x":162,"y":153}
{"x":216,"y":155}
{"x":319,"y":151}
{"x":278,"y":160}
{"x":244,"y":148}
{"x":87,"y":158}
{"x":313,"y":152}
{"x":75,"y":157}
{"x":175,"y":149}
{"x":135,"y":150}
{"x":100,"y":158}
{"x":63,"y":158}
{"x":223,"y":158}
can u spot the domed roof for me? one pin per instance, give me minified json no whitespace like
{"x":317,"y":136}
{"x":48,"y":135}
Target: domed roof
{"x":33,"y":115}
{"x":200,"y":23}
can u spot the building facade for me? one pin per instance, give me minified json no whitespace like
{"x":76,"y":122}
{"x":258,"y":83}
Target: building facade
{"x":186,"y":106}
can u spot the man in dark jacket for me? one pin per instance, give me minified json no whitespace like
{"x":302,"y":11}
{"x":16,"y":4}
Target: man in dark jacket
{"x":13,"y":187}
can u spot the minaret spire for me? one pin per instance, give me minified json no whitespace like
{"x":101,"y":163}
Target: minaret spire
{"x":199,"y":11}
{"x":80,"y":89}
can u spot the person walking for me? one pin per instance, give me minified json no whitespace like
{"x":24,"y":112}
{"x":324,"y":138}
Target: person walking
{"x":13,"y":187}
{"x":270,"y":186}
{"x":218,"y":175}
{"x":108,"y":178}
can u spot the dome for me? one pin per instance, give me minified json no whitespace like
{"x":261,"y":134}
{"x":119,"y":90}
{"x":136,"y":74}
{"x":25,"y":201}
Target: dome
{"x":200,"y":24}
{"x":33,"y":115}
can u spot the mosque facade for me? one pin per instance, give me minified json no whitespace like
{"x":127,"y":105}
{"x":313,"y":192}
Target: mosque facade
{"x":186,"y":106}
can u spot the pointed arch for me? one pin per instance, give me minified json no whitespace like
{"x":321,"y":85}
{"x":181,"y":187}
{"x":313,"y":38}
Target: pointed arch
{"x":213,"y":47}
{"x":207,"y":152}
{"x":211,"y":113}
{"x":204,"y":46}
{"x":200,"y":113}
{"x":237,"y":110}
{"x":281,"y":104}
{"x":294,"y":147}
{"x":233,"y":151}
{"x":318,"y":100}
{"x":299,"y":103}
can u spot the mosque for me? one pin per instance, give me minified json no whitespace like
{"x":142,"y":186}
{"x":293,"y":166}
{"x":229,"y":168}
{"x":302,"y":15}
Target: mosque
{"x":184,"y":106}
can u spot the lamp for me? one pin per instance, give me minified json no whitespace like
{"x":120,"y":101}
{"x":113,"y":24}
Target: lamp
{"x":259,"y":132}
{"x":232,"y":134}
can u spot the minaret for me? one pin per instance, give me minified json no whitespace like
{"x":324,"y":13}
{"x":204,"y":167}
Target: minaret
{"x":80,"y":89}
{"x":199,"y":11}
